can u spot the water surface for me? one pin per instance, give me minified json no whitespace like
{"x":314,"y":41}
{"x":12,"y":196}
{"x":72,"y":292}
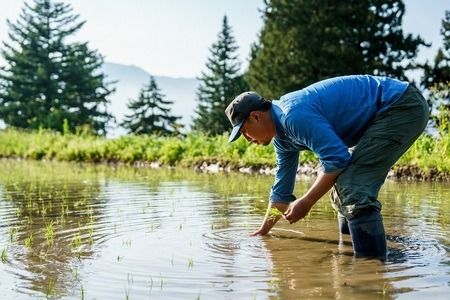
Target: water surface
{"x":83,"y":232}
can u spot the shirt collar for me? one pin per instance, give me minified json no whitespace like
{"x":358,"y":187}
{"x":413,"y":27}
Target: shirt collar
{"x":277,"y":117}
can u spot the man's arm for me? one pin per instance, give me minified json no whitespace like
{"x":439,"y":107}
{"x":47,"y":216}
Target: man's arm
{"x":300,"y":207}
{"x":270,"y":218}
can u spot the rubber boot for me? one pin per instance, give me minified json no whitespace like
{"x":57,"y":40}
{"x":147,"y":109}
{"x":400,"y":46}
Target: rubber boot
{"x":368,"y":237}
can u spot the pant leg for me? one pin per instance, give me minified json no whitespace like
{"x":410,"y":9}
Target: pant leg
{"x":386,"y":139}
{"x":342,"y":224}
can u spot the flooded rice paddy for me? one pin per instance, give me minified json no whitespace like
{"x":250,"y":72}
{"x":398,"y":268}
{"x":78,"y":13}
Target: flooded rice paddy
{"x":72,"y":231}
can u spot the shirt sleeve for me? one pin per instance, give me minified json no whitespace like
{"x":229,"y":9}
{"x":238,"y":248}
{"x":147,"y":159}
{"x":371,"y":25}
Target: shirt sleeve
{"x":287,"y":163}
{"x":318,"y":135}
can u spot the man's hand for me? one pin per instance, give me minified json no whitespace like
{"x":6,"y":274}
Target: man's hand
{"x":273,"y":213}
{"x":298,"y":210}
{"x":260,"y":232}
{"x":301,"y":207}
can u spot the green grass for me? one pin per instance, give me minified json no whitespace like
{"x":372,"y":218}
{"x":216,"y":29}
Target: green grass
{"x":428,"y":154}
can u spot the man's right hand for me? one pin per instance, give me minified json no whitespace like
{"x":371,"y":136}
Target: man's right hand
{"x":269,"y":220}
{"x":260,"y":232}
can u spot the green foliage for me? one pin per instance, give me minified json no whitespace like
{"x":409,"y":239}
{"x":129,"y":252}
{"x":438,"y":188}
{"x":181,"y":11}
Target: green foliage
{"x":439,"y":71}
{"x":437,"y":79}
{"x":440,"y":99}
{"x":150,"y":113}
{"x":193,"y":150}
{"x":219,"y":84}
{"x":306,"y":41}
{"x":46,"y":80}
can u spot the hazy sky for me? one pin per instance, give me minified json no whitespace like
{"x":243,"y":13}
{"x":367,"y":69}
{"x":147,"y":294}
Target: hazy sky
{"x":172,"y":37}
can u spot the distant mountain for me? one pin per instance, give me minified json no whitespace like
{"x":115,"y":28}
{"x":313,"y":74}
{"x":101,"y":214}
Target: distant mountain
{"x":130,"y":80}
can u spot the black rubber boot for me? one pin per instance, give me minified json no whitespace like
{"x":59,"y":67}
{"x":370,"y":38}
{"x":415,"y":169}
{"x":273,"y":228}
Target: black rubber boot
{"x":368,"y":237}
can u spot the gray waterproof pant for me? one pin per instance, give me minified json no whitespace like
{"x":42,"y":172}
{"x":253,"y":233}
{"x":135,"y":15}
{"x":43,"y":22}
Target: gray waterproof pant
{"x":355,"y":193}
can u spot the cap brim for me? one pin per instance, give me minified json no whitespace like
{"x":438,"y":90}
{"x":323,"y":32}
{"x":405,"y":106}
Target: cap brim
{"x":235,"y":133}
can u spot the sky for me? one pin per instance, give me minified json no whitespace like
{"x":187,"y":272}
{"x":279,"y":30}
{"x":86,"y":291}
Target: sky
{"x":172,"y":37}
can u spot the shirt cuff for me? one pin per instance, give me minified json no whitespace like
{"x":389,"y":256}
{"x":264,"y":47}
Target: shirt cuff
{"x":331,"y":167}
{"x":281,"y":198}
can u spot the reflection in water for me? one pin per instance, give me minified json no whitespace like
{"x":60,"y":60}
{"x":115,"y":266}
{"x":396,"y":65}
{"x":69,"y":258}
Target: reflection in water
{"x":104,"y":232}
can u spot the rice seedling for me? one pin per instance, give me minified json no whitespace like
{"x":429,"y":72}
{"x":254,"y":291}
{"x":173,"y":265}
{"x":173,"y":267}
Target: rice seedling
{"x":75,"y":275}
{"x":29,"y":241}
{"x":50,"y":289}
{"x":274,"y":213}
{"x":126,"y":243}
{"x":12,"y":233}
{"x":385,"y":289}
{"x":82,"y":292}
{"x":76,"y":241}
{"x":49,"y":232}
{"x":4,"y":256}
{"x":190,"y":263}
{"x":130,"y":279}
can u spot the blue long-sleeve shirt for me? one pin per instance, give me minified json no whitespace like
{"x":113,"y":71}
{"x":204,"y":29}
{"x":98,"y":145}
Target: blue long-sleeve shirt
{"x":327,"y":118}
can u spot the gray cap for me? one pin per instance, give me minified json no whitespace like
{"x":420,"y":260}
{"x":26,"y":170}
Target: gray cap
{"x":240,"y":108}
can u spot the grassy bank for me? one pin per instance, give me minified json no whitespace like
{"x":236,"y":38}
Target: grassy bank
{"x":428,"y":155}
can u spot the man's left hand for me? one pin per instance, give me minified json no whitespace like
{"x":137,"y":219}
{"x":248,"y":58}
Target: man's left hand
{"x":297,"y":210}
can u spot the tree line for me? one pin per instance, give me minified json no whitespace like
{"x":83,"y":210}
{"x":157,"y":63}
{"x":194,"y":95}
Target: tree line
{"x":50,"y":83}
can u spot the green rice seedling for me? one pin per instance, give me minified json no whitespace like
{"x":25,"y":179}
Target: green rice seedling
{"x":75,"y":275}
{"x":190,"y":263}
{"x":76,"y":241}
{"x":29,"y":241}
{"x":49,"y":232}
{"x":4,"y":256}
{"x":12,"y":233}
{"x":50,"y":289}
{"x":274,"y":213}
{"x":385,"y":289}
{"x":82,"y":291}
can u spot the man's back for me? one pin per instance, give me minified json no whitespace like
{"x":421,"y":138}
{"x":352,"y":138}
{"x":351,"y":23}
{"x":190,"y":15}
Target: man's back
{"x":347,"y":103}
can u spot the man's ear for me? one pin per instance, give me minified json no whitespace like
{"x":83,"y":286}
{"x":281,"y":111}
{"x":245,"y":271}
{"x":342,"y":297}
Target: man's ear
{"x":255,"y":115}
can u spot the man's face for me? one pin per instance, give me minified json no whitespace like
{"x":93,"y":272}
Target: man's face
{"x":255,"y":130}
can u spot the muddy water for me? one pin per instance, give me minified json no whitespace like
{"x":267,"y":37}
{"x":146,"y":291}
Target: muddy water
{"x":81,"y":232}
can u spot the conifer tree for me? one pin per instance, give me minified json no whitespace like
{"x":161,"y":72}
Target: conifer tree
{"x":219,"y":84}
{"x":439,"y":71}
{"x":305,"y":41}
{"x":151,"y":113}
{"x":47,"y":80}
{"x":437,"y":79}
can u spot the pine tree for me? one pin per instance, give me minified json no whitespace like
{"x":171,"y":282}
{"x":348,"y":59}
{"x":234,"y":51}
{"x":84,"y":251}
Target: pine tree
{"x":150,"y":113}
{"x":47,"y":80}
{"x":437,"y":79}
{"x":439,"y":72}
{"x":219,"y":84}
{"x":306,"y":41}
